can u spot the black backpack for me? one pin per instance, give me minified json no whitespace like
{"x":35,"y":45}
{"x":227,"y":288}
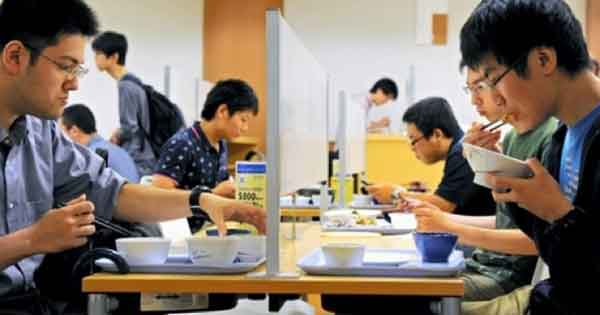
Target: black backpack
{"x":165,"y":117}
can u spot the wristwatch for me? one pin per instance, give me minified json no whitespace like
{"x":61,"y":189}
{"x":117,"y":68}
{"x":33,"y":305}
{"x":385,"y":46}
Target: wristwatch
{"x":195,"y":200}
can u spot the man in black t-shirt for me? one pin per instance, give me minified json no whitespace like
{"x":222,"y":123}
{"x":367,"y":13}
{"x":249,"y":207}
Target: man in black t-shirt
{"x":436,"y":136}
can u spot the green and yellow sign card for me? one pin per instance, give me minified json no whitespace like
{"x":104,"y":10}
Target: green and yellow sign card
{"x":251,"y":182}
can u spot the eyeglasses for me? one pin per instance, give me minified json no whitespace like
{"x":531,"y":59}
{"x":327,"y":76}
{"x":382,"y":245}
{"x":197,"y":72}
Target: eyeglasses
{"x":415,"y":141}
{"x":474,"y":89}
{"x":488,"y":84}
{"x":73,"y":70}
{"x":493,"y":83}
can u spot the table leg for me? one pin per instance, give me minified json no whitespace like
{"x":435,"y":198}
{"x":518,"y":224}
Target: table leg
{"x":451,"y":306}
{"x":98,"y":304}
{"x":294,"y":220}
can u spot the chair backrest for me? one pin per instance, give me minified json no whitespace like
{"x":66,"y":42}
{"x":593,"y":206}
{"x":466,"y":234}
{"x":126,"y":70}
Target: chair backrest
{"x":541,"y":272}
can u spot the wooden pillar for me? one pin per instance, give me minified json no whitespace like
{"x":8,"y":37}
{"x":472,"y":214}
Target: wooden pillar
{"x":593,"y":27}
{"x":235,"y":47}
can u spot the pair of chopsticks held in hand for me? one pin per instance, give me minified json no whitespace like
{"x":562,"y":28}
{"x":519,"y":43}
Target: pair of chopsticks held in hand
{"x":493,"y":125}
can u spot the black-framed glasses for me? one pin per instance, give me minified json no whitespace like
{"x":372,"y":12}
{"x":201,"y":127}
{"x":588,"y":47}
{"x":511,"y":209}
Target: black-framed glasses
{"x":492,"y":83}
{"x":74,"y":70}
{"x":413,"y":142}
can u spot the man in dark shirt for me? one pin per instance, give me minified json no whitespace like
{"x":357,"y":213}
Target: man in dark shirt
{"x":198,"y":155}
{"x":545,"y":70}
{"x":436,"y":136}
{"x":110,"y":50}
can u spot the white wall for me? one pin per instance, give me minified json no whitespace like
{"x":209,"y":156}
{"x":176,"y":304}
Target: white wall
{"x":159,"y":33}
{"x":358,"y":41}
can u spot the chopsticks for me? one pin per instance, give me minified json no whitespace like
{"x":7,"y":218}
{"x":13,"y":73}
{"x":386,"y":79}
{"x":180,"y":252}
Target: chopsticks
{"x":114,"y":227}
{"x":494,"y":124}
{"x":108,"y":225}
{"x":501,"y":122}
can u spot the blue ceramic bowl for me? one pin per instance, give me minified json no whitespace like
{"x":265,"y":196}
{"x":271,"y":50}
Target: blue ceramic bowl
{"x":435,"y":247}
{"x":229,"y":232}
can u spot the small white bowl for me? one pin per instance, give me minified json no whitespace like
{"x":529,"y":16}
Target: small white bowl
{"x":483,"y":161}
{"x":286,"y":201}
{"x":343,"y":254}
{"x":316,"y":200}
{"x":218,"y":251}
{"x":253,"y":245}
{"x":302,"y":201}
{"x":144,"y":250}
{"x":362,"y":200}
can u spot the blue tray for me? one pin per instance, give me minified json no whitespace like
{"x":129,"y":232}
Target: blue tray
{"x":183,"y":265}
{"x":385,"y":263}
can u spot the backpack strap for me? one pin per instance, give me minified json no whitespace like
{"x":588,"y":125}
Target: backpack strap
{"x":139,"y":119}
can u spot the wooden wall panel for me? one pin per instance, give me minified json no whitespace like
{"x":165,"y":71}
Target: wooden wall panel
{"x":593,"y":27}
{"x":235,"y":47}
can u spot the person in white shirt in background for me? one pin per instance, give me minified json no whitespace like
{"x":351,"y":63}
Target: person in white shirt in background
{"x":381,"y":95}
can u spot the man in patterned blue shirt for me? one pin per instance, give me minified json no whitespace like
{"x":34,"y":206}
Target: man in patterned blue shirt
{"x":198,"y":155}
{"x":51,"y":190}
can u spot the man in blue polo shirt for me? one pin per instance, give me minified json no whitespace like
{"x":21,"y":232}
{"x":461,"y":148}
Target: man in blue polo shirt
{"x":79,"y":124}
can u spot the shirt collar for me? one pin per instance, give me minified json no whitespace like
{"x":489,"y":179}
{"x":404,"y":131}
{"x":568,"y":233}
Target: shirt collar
{"x":201,"y":136}
{"x":457,"y":142}
{"x":95,"y":139}
{"x":16,"y":132}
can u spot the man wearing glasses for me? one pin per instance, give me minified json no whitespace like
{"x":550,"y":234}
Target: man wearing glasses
{"x":535,"y":55}
{"x":41,"y":170}
{"x":505,"y":258}
{"x":435,"y":136}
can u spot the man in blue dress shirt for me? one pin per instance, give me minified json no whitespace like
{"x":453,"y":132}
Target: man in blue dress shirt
{"x":41,"y":170}
{"x":79,"y":124}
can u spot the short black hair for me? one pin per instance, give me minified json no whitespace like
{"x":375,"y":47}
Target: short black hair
{"x":39,"y":24}
{"x":80,"y":116}
{"x":236,"y":94}
{"x":387,"y":86}
{"x":508,"y":29}
{"x":433,"y":113}
{"x":110,"y":43}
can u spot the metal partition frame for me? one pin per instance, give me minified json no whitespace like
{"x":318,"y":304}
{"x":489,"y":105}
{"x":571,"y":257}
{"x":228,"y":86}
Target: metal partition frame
{"x":273,"y":147}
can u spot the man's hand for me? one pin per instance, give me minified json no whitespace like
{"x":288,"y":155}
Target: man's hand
{"x":220,"y":209}
{"x":64,"y":228}
{"x":381,"y":192}
{"x":482,"y":138}
{"x":540,"y":195}
{"x":431,"y":220}
{"x":381,"y":123}
{"x":225,"y":189}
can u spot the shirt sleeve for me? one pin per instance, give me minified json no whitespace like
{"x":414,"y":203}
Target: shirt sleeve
{"x":457,"y":176}
{"x":174,"y":159}
{"x":78,"y":170}
{"x":130,"y":102}
{"x":568,"y":246}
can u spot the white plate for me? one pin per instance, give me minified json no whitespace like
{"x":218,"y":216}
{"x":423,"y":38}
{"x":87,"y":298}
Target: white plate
{"x":370,"y":206}
{"x":485,"y":161}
